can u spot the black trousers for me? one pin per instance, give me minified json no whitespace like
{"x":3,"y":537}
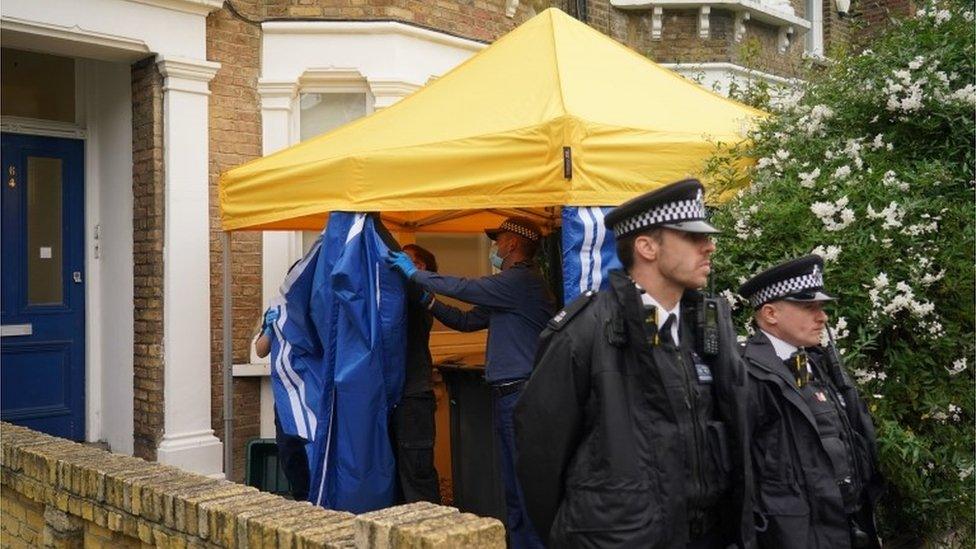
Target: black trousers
{"x":413,"y":442}
{"x":293,"y":461}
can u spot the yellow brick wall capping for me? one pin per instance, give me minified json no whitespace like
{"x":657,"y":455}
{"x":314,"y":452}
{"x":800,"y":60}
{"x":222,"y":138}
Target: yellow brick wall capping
{"x":62,"y":493}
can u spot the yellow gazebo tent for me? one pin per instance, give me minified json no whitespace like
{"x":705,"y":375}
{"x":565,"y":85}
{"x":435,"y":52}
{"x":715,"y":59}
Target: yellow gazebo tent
{"x":552,"y":114}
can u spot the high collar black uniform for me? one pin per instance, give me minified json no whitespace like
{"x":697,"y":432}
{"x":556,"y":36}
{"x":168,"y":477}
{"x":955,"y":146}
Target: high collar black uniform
{"x":625,"y":444}
{"x":802,"y":441}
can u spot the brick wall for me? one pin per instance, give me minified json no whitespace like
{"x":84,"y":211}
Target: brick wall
{"x":875,"y":15}
{"x":147,"y":235}
{"x":235,"y":138}
{"x":476,"y":19}
{"x":62,"y":494}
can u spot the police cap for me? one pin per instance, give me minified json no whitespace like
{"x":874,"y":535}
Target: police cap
{"x":795,"y":280}
{"x":677,"y":206}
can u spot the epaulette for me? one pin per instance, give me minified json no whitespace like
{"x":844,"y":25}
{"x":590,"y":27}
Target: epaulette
{"x":563,"y":317}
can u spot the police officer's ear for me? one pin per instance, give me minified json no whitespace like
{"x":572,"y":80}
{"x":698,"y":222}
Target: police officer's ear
{"x":647,"y":246}
{"x":767,"y":315}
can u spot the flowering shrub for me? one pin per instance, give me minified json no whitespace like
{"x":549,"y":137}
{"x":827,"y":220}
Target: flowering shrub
{"x":871,"y":166}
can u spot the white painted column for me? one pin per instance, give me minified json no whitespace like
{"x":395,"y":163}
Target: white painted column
{"x":279,"y":248}
{"x":188,"y":439}
{"x":278,"y":131}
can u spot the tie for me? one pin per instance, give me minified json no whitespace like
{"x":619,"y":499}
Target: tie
{"x":665,"y":332}
{"x":797,"y":363}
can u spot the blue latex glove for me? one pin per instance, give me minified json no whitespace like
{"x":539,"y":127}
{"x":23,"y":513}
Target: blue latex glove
{"x":270,"y":316}
{"x":400,"y":261}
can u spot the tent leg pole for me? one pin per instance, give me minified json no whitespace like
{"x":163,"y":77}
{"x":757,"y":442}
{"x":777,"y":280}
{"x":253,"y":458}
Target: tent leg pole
{"x":228,"y":370}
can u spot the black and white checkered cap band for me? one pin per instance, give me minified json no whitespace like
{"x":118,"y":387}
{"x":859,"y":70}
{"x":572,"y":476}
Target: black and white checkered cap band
{"x":519,"y":230}
{"x":670,"y":212}
{"x":790,"y":286}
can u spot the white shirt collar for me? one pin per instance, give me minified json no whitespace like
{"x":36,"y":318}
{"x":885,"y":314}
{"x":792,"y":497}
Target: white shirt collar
{"x":663,"y":314}
{"x":783,"y":349}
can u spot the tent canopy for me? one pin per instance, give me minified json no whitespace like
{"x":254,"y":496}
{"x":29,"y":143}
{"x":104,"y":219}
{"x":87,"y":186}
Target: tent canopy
{"x":554,"y":113}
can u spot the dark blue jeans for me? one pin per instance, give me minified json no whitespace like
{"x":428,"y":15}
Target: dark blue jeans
{"x":520,"y":529}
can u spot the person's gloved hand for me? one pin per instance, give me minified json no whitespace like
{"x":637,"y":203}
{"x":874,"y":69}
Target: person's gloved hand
{"x":270,"y":316}
{"x":400,"y":261}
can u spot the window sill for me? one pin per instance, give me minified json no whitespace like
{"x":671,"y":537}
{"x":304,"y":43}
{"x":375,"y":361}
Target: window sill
{"x":745,"y":10}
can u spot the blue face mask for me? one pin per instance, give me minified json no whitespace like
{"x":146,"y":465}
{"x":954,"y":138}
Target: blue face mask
{"x":496,"y":260}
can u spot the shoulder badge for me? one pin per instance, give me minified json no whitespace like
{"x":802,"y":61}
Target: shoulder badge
{"x":563,"y":317}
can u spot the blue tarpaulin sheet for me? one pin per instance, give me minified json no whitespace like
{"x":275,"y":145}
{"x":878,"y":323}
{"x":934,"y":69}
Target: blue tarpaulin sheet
{"x":589,"y":250}
{"x":338,"y":362}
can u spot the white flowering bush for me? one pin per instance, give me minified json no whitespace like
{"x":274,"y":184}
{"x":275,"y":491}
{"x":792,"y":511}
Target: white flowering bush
{"x":871,"y":165}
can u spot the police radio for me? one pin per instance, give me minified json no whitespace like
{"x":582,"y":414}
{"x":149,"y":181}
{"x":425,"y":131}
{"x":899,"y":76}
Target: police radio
{"x":706,"y":322}
{"x":835,"y":365}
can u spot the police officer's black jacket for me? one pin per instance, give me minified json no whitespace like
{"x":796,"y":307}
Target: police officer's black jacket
{"x":799,"y":503}
{"x":609,"y":452}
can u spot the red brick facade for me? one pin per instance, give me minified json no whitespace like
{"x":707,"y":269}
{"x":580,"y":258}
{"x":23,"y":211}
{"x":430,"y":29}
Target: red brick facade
{"x":147,"y":250}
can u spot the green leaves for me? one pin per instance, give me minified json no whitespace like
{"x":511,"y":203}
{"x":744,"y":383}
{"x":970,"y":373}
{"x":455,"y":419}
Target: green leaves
{"x":888,"y":134}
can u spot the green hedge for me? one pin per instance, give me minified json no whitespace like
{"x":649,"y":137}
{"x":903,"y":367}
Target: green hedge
{"x":871,"y":165}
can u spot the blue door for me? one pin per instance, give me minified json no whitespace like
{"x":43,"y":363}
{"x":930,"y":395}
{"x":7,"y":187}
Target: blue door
{"x":42,"y":304}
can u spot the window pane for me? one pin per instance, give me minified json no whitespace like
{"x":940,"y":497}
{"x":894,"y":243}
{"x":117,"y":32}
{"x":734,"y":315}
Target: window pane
{"x":44,"y":250}
{"x":37,"y":85}
{"x":321,"y":112}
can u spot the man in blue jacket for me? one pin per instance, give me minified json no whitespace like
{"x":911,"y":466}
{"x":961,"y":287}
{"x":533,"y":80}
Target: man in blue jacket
{"x":515,"y":306}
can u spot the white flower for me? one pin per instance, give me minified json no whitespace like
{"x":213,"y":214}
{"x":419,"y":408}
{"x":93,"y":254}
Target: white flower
{"x":841,"y":172}
{"x":890,"y":179}
{"x":920,"y":228}
{"x":892,"y":215}
{"x":881,"y":281}
{"x":931,"y":278}
{"x":841,"y":332}
{"x":787,"y":101}
{"x":813,"y":122}
{"x":808,"y":179}
{"x":955,"y":412}
{"x":957,"y":366}
{"x":823,"y":210}
{"x":829,"y":253}
{"x":966,"y":472}
{"x":916,"y":63}
{"x":965,"y":95}
{"x":782,"y":154}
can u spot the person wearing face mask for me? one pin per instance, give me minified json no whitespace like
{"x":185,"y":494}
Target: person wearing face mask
{"x":514,"y":305}
{"x":631,"y":430}
{"x":813,"y":444}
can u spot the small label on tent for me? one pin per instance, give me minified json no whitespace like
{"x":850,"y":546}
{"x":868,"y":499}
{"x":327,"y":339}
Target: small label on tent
{"x":567,"y":163}
{"x":45,"y":252}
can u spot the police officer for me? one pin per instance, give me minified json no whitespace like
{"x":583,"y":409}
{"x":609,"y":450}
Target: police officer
{"x":630,"y":432}
{"x":514,"y":305}
{"x":813,"y":443}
